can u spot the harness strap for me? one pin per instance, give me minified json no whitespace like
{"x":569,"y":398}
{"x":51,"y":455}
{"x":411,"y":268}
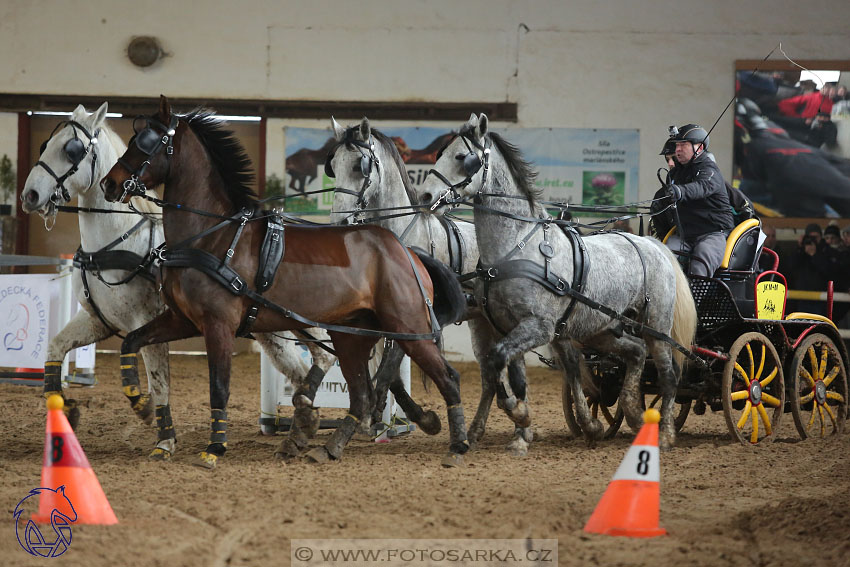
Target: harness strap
{"x":212,"y":266}
{"x":581,"y":265}
{"x":95,"y":308}
{"x":455,"y":243}
{"x":246,"y":214}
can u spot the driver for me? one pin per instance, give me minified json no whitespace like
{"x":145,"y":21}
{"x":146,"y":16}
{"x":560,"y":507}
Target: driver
{"x":705,"y":215}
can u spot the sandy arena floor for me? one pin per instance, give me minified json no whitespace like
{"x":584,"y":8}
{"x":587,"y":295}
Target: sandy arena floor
{"x":784,"y":503}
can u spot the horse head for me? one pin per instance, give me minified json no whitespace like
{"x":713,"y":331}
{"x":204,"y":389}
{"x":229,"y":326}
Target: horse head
{"x":458,"y":172}
{"x":67,"y":164}
{"x":354,"y":164}
{"x":147,"y":159}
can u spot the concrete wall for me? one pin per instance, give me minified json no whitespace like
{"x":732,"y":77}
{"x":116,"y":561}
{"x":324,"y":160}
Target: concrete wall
{"x":565,"y":63}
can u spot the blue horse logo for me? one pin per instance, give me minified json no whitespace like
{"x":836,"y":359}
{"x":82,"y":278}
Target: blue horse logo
{"x":33,"y":541}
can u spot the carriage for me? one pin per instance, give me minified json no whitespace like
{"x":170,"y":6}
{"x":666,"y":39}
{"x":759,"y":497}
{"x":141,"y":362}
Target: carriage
{"x":750,"y":360}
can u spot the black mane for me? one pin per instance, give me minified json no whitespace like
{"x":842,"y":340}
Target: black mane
{"x":523,"y":171}
{"x":227,"y":155}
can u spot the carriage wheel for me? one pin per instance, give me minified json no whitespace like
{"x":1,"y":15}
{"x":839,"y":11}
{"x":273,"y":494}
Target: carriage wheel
{"x":753,"y":389}
{"x":655,"y":402}
{"x":818,"y":387}
{"x":611,"y":417}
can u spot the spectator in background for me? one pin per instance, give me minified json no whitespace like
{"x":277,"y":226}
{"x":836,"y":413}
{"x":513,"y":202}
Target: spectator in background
{"x":770,"y":236}
{"x":832,"y":237}
{"x":845,"y":236}
{"x":808,"y":105}
{"x":623,"y":225}
{"x":811,"y":271}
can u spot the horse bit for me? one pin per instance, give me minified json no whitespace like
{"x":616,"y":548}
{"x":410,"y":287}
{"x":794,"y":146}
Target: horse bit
{"x":149,"y":143}
{"x":472,"y":163}
{"x":366,"y":161}
{"x":76,"y":151}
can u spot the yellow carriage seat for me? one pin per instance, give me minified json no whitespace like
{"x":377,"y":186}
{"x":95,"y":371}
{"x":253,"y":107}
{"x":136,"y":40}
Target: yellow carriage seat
{"x":742,"y":246}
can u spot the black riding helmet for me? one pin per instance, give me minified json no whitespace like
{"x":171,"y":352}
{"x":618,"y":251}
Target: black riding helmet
{"x":692,"y":133}
{"x":669,"y":147}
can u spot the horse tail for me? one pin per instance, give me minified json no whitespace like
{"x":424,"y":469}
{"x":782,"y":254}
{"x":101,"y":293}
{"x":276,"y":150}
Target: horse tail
{"x":684,"y":311}
{"x":449,"y":301}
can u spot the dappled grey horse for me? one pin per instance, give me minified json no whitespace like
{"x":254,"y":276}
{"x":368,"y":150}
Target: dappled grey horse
{"x":528,"y":264}
{"x":372,"y":185}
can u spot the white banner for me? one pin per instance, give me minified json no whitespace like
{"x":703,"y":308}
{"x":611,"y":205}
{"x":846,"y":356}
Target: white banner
{"x":27,"y":305}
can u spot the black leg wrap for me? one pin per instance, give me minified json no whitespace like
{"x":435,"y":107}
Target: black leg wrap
{"x":341,"y":436}
{"x":52,"y":378}
{"x":218,"y":433}
{"x":516,"y":378}
{"x":130,"y":377}
{"x":313,"y":379}
{"x":457,"y":429}
{"x":165,"y":428}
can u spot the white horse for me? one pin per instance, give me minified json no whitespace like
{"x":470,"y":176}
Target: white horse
{"x":372,"y":185}
{"x":529,"y":266}
{"x":72,"y":162}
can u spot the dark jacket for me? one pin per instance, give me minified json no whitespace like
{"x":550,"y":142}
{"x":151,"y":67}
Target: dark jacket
{"x":704,"y":204}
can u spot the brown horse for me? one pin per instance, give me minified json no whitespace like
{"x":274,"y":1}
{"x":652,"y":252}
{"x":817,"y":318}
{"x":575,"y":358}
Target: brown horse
{"x":303,"y":165}
{"x":360,"y":277}
{"x":429,"y":153}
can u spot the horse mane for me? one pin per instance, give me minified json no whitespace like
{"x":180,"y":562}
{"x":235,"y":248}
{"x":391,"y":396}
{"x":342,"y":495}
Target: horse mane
{"x":523,"y":171}
{"x":226,"y":154}
{"x":392,"y":149}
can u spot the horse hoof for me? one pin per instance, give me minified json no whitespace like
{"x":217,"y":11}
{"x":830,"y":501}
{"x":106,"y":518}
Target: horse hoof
{"x":517,"y":448}
{"x":287,"y":450}
{"x":160,"y":454}
{"x":72,"y":413}
{"x":452,"y":460}
{"x":430,"y":423}
{"x":318,"y":456}
{"x":594,"y":431}
{"x":362,"y":437}
{"x":206,"y":460}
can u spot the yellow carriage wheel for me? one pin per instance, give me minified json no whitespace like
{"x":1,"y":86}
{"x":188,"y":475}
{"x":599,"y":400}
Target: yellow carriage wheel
{"x":611,"y":416}
{"x":753,"y":389}
{"x":818,"y":387}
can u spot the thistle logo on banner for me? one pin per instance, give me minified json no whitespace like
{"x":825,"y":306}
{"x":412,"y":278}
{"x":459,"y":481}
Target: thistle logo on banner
{"x":24,"y":323}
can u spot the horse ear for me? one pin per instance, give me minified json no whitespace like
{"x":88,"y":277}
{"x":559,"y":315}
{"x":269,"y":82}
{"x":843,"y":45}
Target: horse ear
{"x":482,"y":125}
{"x":79,"y":113}
{"x":472,"y":123}
{"x":339,"y":131}
{"x":164,"y":106}
{"x":99,"y":115}
{"x":365,"y":130}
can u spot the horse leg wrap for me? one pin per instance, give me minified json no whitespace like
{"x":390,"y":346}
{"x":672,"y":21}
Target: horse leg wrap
{"x":457,"y":430}
{"x":52,"y":378}
{"x":341,"y":436}
{"x":218,"y":433}
{"x":141,"y":404}
{"x":305,"y":395}
{"x":165,"y":428}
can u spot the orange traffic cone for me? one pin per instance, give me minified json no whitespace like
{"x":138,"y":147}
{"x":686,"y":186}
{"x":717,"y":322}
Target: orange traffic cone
{"x":630,"y":505}
{"x":66,"y":465}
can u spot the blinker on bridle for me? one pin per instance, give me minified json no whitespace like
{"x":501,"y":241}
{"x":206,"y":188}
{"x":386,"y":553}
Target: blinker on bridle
{"x":472,"y":164}
{"x":366,"y":161}
{"x":75,"y":151}
{"x":150,"y":143}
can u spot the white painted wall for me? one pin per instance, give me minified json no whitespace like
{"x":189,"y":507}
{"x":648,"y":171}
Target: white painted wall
{"x":566,"y":63}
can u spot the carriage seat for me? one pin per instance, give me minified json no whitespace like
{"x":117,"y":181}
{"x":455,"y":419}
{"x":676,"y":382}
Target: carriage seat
{"x":810,"y":317}
{"x":742,"y":247}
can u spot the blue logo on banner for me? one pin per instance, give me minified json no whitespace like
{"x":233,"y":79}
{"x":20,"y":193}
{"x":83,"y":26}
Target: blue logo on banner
{"x":33,"y":541}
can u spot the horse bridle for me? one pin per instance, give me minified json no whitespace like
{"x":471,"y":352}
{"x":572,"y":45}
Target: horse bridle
{"x":149,"y":143}
{"x":76,"y":151}
{"x":366,"y":161}
{"x":472,"y":164}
